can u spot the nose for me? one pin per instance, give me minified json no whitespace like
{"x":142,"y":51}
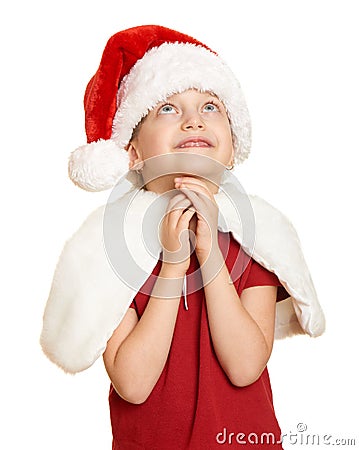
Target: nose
{"x":193,"y":121}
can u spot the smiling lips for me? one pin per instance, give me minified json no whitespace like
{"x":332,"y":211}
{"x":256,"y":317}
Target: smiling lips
{"x":191,"y":142}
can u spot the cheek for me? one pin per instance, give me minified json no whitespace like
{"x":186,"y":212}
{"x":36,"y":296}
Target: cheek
{"x":227,"y":149}
{"x":154,"y":141}
{"x":149,"y":142}
{"x":226,"y":138}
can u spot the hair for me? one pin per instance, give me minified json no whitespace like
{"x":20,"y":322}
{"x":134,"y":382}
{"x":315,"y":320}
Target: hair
{"x":136,"y":130}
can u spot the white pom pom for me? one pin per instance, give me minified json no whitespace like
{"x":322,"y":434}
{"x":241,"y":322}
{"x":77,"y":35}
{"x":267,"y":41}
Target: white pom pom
{"x":97,"y":166}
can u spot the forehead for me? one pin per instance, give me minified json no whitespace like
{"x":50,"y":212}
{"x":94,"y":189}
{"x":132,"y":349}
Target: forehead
{"x":192,"y":94}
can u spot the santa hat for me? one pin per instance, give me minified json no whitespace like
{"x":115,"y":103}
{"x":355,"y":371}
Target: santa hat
{"x":141,"y":67}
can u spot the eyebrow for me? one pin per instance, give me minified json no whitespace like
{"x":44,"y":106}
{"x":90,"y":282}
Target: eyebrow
{"x":211,"y":94}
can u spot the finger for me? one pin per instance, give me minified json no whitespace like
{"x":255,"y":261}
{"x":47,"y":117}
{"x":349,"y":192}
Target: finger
{"x":182,"y":203}
{"x":192,"y":180}
{"x":173,"y":215}
{"x":176,"y":198}
{"x":203,"y":193}
{"x":193,"y":183}
{"x":194,"y":198}
{"x":179,"y":205}
{"x":204,"y":210}
{"x":186,"y":217}
{"x":175,"y":202}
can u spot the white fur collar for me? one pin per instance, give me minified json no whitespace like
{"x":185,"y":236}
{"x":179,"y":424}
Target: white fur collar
{"x":88,"y":298}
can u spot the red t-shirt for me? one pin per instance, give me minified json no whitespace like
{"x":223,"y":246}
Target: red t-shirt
{"x":194,"y":405}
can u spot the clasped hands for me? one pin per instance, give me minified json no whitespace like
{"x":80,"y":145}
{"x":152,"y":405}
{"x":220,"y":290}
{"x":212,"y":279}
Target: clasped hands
{"x":195,"y":199}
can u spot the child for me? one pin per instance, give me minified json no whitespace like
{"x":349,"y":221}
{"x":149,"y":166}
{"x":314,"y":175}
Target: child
{"x":185,"y":374}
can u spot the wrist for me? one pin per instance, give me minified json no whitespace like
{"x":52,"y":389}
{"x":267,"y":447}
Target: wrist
{"x":211,"y":265}
{"x":169,"y":270}
{"x":168,"y":285}
{"x":213,"y":255}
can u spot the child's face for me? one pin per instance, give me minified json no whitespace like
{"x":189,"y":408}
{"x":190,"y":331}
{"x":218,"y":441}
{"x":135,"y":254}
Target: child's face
{"x":193,"y":122}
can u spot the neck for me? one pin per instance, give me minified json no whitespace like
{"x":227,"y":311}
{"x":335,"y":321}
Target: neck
{"x":166,"y":183}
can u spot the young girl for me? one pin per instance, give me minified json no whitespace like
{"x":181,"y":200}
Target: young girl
{"x":186,"y":310}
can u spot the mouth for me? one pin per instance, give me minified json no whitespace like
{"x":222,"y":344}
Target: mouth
{"x":194,"y":142}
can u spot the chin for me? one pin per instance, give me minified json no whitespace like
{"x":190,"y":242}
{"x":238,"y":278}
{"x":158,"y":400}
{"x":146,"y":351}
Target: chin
{"x":187,"y":164}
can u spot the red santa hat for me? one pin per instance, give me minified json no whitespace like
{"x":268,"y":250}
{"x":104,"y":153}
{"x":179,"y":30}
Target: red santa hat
{"x":141,"y":67}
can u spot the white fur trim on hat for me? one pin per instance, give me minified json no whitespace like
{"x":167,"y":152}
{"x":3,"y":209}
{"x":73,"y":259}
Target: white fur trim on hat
{"x":97,"y":166}
{"x":173,"y":68}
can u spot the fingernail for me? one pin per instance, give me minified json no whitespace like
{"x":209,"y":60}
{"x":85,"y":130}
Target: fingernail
{"x":178,"y":179}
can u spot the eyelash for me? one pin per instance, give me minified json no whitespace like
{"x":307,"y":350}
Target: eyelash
{"x":165,"y":104}
{"x":211,"y":102}
{"x":214,"y":103}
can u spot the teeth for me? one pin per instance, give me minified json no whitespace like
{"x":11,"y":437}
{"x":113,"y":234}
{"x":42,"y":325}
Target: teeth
{"x":195,"y":144}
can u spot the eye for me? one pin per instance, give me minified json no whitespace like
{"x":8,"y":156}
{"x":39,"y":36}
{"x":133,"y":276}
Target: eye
{"x":167,"y":109}
{"x":210,"y":107}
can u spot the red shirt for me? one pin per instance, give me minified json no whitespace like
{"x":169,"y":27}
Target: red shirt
{"x":194,"y":405}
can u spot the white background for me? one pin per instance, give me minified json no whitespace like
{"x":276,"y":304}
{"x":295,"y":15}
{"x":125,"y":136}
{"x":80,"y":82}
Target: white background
{"x":298,"y":65}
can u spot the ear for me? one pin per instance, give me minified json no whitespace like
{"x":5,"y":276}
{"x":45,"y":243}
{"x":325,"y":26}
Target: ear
{"x":231,"y":160}
{"x":133,"y":155}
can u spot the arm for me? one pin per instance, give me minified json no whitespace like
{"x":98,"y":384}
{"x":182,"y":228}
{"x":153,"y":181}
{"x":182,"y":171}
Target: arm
{"x":242,"y":329}
{"x":137,"y":351}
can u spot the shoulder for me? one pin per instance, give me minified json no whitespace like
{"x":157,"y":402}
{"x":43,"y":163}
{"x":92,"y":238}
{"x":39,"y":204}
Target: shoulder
{"x":273,"y":230}
{"x":111,"y":213}
{"x":267,"y":214}
{"x":277,"y":246}
{"x":90,"y":226}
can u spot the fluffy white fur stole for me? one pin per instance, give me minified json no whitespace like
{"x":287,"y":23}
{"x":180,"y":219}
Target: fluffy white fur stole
{"x":105,"y":263}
